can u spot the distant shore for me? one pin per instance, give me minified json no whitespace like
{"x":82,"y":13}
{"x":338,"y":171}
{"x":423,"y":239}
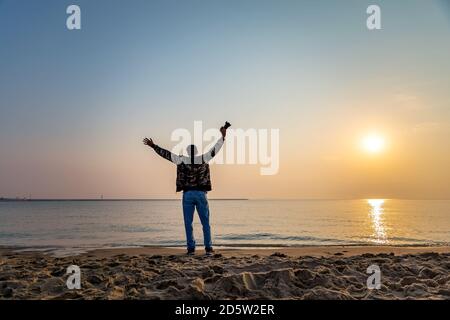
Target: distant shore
{"x":84,"y":200}
{"x":325,"y":272}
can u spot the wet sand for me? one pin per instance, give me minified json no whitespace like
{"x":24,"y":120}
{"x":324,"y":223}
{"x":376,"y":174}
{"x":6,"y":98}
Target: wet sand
{"x":334,"y":272}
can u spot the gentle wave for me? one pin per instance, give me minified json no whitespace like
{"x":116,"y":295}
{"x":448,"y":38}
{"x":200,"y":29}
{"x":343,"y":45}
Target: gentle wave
{"x":271,"y":236}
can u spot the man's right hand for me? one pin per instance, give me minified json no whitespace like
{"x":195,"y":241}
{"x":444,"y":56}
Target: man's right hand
{"x":149,"y":142}
{"x":223,"y":131}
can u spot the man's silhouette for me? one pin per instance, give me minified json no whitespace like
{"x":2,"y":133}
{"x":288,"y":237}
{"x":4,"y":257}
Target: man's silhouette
{"x":193,"y":178}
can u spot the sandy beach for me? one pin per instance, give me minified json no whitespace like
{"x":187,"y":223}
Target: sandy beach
{"x":289,"y":273}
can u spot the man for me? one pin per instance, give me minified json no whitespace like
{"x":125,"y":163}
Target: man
{"x":193,"y":178}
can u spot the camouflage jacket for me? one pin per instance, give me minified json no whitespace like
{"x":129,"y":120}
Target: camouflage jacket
{"x":192,"y":172}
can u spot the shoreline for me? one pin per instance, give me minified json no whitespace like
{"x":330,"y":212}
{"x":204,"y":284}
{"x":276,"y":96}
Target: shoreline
{"x":309,"y":250}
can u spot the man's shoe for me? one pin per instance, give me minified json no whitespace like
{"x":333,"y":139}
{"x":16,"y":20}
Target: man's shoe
{"x":190,"y":252}
{"x":209,"y":251}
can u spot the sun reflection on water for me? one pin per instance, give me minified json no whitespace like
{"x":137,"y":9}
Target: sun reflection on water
{"x":376,"y":216}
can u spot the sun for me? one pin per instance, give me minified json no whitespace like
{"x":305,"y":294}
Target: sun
{"x":373,"y":143}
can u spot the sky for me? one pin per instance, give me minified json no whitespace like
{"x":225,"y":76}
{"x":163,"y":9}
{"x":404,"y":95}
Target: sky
{"x":75,"y":105}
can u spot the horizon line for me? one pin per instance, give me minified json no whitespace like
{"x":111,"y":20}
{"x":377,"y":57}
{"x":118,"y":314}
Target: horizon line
{"x":23,"y":199}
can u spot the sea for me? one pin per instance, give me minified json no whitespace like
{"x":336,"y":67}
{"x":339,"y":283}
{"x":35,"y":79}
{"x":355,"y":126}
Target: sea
{"x":66,"y":227}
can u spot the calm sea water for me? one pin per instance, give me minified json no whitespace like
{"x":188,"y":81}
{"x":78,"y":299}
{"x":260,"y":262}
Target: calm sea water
{"x":81,"y":225}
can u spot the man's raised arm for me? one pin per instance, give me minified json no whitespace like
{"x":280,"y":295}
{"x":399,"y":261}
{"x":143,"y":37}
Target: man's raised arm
{"x":166,"y":154}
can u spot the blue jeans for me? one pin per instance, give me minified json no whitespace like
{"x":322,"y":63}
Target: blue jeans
{"x":191,"y":200}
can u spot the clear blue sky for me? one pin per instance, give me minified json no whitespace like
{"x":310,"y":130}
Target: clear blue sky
{"x":75,"y":104}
